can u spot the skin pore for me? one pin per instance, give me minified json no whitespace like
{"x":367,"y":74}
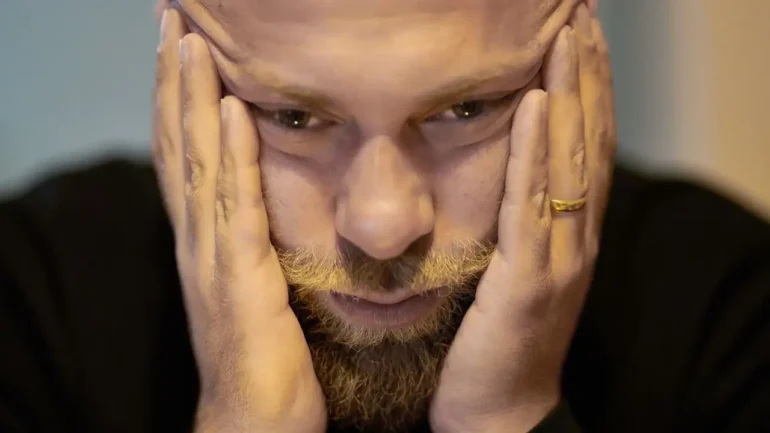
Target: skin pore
{"x":384,"y":129}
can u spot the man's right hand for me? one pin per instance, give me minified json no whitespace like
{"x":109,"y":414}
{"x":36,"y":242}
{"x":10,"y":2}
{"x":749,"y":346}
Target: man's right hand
{"x":254,"y":363}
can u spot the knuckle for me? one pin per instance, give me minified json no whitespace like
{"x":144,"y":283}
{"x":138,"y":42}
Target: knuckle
{"x":592,"y":249}
{"x":191,"y":212}
{"x":538,"y":202}
{"x":168,"y":141}
{"x":577,"y":148}
{"x":540,"y":301}
{"x":225,"y":196}
{"x":601,"y":142}
{"x":158,"y":160}
{"x":222,"y":278}
{"x":162,"y":67}
{"x":196,"y":171}
{"x":602,"y":47}
{"x":592,"y":46}
{"x":609,"y":77}
{"x":578,"y":166}
{"x":571,"y":270}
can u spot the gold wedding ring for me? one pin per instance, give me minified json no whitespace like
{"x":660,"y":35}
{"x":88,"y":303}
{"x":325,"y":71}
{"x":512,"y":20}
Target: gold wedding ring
{"x":568,"y":205}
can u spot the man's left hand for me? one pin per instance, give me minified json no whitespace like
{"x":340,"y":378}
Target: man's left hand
{"x":503,"y":371}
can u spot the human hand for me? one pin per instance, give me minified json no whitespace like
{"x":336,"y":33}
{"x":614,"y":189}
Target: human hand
{"x":503,"y":370}
{"x":255,"y":366}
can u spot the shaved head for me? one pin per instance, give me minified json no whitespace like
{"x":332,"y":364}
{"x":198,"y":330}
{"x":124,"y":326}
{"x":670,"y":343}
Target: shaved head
{"x":384,"y":130}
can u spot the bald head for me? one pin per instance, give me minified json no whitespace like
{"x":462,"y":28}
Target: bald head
{"x":354,"y":57}
{"x":384,"y":130}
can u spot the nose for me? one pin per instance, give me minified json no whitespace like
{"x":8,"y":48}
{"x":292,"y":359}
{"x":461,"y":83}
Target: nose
{"x":385,"y":205}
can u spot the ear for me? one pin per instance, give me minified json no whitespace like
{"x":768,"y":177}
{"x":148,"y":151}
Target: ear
{"x":160,"y":6}
{"x":593,"y":6}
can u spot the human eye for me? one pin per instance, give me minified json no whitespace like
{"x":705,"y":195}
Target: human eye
{"x":469,"y":121}
{"x":292,"y":119}
{"x":470,"y":109}
{"x":465,"y":110}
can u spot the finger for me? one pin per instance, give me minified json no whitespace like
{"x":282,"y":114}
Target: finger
{"x":160,"y":8}
{"x":606,"y":82}
{"x":601,"y":81}
{"x":593,"y":6}
{"x":200,"y":98}
{"x":598,"y":108}
{"x":567,"y":150}
{"x":524,"y":226}
{"x":253,"y":280}
{"x":581,"y":22}
{"x":167,"y":118}
{"x":604,"y":162}
{"x":242,"y":222}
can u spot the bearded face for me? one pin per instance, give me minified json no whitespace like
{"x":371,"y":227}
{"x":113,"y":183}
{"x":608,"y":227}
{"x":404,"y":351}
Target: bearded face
{"x":384,"y":131}
{"x":378,"y":375}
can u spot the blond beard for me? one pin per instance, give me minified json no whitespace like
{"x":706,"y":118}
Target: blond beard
{"x":381,"y":380}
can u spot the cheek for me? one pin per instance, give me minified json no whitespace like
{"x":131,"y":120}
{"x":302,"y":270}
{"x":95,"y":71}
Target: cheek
{"x":299,"y":208}
{"x":469,"y":187}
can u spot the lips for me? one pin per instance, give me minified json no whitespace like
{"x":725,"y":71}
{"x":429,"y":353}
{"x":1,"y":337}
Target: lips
{"x":383,"y":310}
{"x":390,"y":298}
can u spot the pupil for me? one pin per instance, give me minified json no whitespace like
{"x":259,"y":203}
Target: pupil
{"x":468,"y":110}
{"x":294,"y":119}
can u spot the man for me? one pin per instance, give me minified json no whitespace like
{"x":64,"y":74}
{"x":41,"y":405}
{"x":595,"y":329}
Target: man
{"x":381,"y":216}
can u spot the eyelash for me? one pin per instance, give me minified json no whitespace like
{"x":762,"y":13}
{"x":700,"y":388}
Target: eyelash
{"x":490,"y":104}
{"x":270,"y":115}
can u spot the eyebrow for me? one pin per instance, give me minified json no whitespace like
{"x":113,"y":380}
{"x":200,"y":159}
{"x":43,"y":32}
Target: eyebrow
{"x":457,"y":88}
{"x":303,"y":95}
{"x":446,"y":93}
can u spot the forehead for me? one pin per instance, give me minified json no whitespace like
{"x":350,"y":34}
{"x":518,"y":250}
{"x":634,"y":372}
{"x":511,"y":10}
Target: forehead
{"x":394,"y":40}
{"x":514,"y":21}
{"x":247,"y":22}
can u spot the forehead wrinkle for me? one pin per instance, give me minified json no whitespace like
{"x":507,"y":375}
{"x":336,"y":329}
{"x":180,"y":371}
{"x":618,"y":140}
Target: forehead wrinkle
{"x":354,"y":10}
{"x":262,"y":77}
{"x":213,"y":28}
{"x":248,"y":71}
{"x":499,"y":19}
{"x":548,"y":17}
{"x":521,"y":65}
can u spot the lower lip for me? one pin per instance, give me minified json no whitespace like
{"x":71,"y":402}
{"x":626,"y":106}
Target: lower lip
{"x":361,"y":312}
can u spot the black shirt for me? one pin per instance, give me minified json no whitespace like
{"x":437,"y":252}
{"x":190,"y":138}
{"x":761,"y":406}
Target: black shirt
{"x":674,"y":337}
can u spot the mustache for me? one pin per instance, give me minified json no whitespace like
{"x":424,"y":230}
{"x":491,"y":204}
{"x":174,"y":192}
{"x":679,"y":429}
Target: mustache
{"x":349,"y":269}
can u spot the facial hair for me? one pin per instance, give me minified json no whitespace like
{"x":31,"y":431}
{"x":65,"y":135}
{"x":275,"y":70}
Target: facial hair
{"x":382,"y":380}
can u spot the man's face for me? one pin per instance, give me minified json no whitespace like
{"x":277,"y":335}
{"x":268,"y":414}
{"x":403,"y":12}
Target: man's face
{"x":384,"y":129}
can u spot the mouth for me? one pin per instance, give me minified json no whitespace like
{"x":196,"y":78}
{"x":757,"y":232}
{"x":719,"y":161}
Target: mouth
{"x":393,"y":310}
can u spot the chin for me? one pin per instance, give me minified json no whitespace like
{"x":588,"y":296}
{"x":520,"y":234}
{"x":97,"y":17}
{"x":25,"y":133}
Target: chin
{"x":378,"y":362}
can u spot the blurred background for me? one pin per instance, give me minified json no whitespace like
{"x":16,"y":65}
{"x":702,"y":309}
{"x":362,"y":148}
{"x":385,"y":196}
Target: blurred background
{"x":692,"y":82}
